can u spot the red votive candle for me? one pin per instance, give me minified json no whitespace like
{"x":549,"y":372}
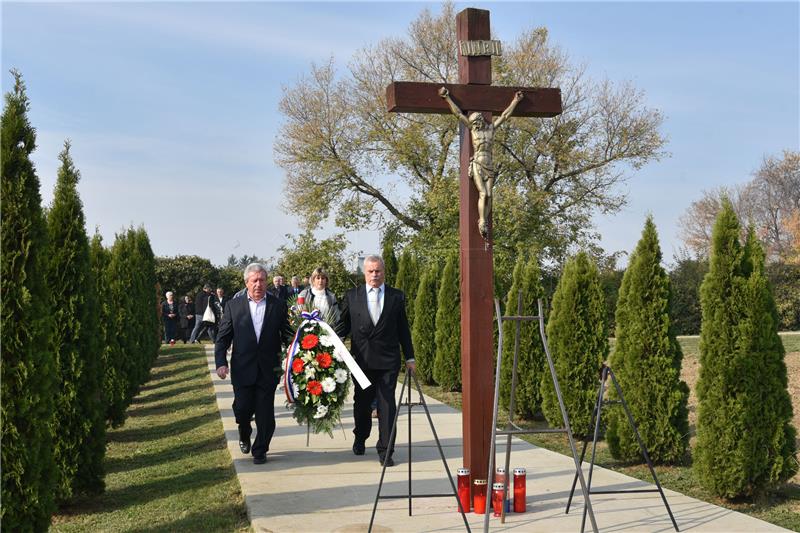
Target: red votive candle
{"x":520,"y":480}
{"x":498,"y":495}
{"x":464,"y":489}
{"x":500,"y":475}
{"x":479,"y":496}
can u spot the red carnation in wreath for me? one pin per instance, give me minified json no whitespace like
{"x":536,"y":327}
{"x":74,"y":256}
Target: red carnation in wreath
{"x":314,"y":387}
{"x":309,"y":341}
{"x":297,"y":366}
{"x":324,"y":359}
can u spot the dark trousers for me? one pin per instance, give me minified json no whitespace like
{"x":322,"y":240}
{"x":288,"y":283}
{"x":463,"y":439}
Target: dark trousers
{"x":258,"y":398}
{"x":169,"y":329}
{"x":384,"y":383}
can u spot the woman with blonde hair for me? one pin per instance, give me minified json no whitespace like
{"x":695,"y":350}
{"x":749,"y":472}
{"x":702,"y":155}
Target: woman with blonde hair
{"x":318,"y":296}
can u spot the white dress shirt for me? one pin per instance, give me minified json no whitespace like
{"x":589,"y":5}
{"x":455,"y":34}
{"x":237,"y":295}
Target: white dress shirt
{"x":257,"y":311}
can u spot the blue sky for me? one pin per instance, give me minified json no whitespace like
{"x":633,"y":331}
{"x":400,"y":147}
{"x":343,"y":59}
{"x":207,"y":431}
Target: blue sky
{"x":172,"y":108}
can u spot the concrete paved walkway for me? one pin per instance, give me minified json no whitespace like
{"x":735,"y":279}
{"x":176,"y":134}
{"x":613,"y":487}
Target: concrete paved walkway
{"x":323,"y":487}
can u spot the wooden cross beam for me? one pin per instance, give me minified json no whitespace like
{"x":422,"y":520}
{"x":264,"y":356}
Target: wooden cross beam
{"x":422,"y":97}
{"x":474,"y":93}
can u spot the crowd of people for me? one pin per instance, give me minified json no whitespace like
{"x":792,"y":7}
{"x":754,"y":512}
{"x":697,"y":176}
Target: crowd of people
{"x":184,"y":321}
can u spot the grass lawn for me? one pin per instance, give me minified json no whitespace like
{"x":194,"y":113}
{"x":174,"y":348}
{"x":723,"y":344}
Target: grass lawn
{"x":781,"y":507}
{"x":168,"y":468}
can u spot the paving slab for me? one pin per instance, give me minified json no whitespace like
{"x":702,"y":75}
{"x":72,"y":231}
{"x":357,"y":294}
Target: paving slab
{"x":315,"y":483}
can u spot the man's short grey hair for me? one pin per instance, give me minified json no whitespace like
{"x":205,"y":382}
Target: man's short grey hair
{"x":253,"y":267}
{"x":374,"y":259}
{"x":169,"y":293}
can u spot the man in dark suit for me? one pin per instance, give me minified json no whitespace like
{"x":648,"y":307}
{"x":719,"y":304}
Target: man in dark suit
{"x":278,"y":289}
{"x":375,"y":317}
{"x":256,"y":324}
{"x":295,"y":288}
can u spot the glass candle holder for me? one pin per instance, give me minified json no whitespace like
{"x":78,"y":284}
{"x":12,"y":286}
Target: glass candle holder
{"x":500,"y":475}
{"x":498,"y":495}
{"x":479,"y":496}
{"x":464,"y":489}
{"x":520,"y":482}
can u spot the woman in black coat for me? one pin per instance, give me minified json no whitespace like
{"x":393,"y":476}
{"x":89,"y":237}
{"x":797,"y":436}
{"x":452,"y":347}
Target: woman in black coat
{"x":186,"y":314}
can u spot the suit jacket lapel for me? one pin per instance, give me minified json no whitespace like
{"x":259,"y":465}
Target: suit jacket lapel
{"x":364,"y":305}
{"x":245,"y":313}
{"x":267,"y":316}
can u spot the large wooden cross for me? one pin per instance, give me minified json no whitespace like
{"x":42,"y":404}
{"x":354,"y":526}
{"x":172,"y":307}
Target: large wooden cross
{"x":474,"y":93}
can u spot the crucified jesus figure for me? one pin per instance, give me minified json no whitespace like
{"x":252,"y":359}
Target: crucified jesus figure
{"x":481,"y":165}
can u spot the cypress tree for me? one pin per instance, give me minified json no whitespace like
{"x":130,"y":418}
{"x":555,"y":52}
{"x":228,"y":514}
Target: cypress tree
{"x":108,"y":313}
{"x":121,"y":379}
{"x":531,"y":358}
{"x":647,"y":361}
{"x":27,"y":373}
{"x":151,"y":325}
{"x":745,"y":440}
{"x":89,"y":478}
{"x":424,"y":331}
{"x":389,"y":260}
{"x":447,"y":365}
{"x":408,"y":281}
{"x":74,"y":328}
{"x":576,"y":333}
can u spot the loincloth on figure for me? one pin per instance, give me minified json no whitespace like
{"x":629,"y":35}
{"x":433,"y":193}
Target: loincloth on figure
{"x":488,"y":170}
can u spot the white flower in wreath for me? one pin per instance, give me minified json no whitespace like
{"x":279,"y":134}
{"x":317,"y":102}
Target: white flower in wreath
{"x":322,"y":410}
{"x":325,"y":340}
{"x":340,"y":375}
{"x":310,"y":372}
{"x":284,"y":362}
{"x":296,"y":390}
{"x":308,"y":356}
{"x":328,"y":384}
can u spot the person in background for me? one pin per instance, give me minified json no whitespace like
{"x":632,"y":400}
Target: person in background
{"x":278,"y":289}
{"x":186,"y":318}
{"x":169,"y":314}
{"x":295,"y":288}
{"x":318,"y":296}
{"x":221,"y":300}
{"x":205,"y":298}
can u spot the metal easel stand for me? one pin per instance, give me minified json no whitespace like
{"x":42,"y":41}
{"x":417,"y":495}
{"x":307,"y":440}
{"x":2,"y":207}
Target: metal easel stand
{"x":407,"y":382}
{"x":512,"y":429}
{"x":596,"y":419}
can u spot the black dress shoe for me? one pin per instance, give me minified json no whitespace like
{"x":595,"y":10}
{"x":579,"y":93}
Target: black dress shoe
{"x":260,"y":459}
{"x":358,"y":447}
{"x":387,"y":461}
{"x":244,"y":446}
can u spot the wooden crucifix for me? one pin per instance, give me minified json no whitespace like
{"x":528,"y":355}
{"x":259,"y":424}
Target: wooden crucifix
{"x":474,"y":93}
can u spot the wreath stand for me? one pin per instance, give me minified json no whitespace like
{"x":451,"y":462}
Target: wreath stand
{"x":512,"y":429}
{"x":407,"y":382}
{"x":606,"y":372}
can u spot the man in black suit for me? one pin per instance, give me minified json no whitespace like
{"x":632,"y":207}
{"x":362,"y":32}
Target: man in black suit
{"x":256,"y":324}
{"x":375,"y":317}
{"x":278,"y":289}
{"x":295,"y":288}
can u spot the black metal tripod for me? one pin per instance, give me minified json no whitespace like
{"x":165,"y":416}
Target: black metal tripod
{"x":596,"y":418}
{"x":407,"y":381}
